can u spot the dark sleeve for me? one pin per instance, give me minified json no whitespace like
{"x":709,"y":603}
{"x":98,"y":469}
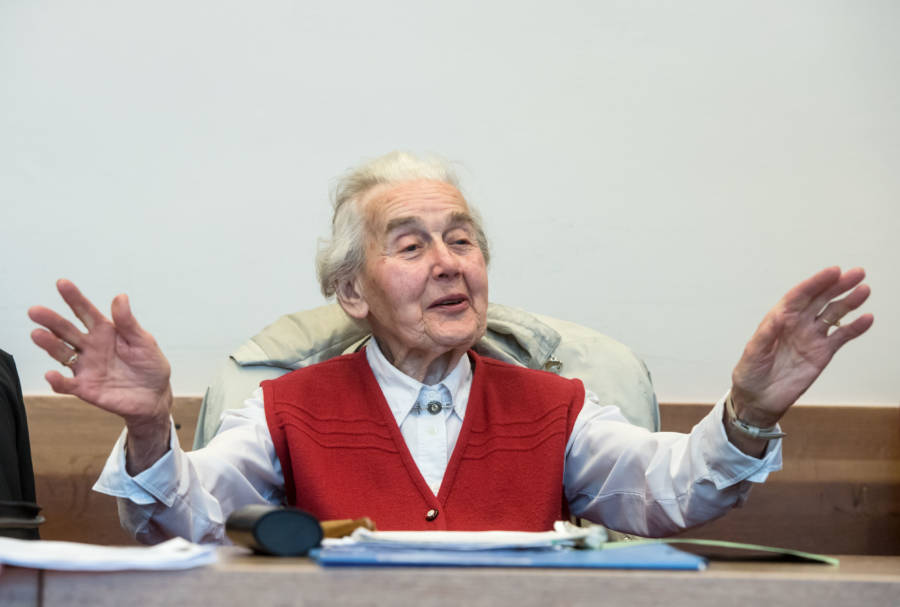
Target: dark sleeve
{"x":16,"y":473}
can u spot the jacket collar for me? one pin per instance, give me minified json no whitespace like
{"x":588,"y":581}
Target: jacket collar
{"x":312,"y":336}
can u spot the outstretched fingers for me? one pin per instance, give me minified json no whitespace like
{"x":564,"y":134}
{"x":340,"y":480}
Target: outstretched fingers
{"x":848,"y":280}
{"x":60,"y":383}
{"x":850,"y":331}
{"x":86,"y":312}
{"x":57,"y":325}
{"x":53,"y":345}
{"x":832,"y":313}
{"x":802,"y":295}
{"x":126,"y":324}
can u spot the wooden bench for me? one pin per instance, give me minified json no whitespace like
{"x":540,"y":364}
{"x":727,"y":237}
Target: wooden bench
{"x":70,"y":441}
{"x":839,"y":492}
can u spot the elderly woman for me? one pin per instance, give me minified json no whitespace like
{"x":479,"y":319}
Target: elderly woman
{"x":417,"y":431}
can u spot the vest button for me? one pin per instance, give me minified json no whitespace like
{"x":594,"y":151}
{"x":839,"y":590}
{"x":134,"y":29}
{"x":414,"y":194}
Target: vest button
{"x":431,"y":514}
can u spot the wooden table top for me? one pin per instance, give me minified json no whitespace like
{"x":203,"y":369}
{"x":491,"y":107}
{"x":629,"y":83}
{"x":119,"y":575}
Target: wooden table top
{"x":240,"y":578}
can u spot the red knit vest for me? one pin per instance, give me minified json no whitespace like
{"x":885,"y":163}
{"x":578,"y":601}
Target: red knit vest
{"x":343,"y":455}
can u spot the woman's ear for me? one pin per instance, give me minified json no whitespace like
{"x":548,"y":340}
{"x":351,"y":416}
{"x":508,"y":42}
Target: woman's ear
{"x":350,"y":297}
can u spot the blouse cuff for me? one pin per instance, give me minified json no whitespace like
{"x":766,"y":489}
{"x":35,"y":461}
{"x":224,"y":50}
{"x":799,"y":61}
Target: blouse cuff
{"x":155,"y":484}
{"x":727,"y":464}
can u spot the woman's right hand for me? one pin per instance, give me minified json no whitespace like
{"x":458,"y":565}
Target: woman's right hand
{"x":116,"y":365}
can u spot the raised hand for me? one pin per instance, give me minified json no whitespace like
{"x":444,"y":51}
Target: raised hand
{"x":795,"y":342}
{"x":116,"y":366}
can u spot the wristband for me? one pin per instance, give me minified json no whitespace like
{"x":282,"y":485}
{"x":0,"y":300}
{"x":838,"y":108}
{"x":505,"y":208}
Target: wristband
{"x":745,"y":428}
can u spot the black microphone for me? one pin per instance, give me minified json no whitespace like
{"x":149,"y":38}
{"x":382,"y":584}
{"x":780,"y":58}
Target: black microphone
{"x":274,"y":530}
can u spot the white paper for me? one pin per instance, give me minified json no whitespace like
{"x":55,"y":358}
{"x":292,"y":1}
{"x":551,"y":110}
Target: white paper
{"x":176,"y":553}
{"x":563,"y":534}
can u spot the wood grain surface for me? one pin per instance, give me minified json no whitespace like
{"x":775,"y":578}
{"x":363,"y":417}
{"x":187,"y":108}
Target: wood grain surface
{"x":70,"y":441}
{"x":839,"y":492}
{"x":239,"y":578}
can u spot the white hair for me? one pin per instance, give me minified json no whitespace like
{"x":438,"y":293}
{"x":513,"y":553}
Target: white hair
{"x":341,"y":257}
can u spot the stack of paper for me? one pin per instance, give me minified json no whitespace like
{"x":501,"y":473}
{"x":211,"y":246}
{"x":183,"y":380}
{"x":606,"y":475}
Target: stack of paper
{"x":70,"y":556}
{"x":563,"y":534}
{"x":556,"y":549}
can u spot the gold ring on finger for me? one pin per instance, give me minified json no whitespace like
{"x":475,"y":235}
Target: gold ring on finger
{"x":72,"y":360}
{"x":835,"y":323}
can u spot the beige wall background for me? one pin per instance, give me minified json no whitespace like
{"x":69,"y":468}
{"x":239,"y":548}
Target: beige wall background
{"x":659,"y":171}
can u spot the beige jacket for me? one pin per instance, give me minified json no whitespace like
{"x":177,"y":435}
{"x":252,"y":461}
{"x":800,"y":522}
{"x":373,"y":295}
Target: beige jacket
{"x":606,"y":367}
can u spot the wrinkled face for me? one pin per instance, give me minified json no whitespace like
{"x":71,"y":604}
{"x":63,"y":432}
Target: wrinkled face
{"x":423,"y":288}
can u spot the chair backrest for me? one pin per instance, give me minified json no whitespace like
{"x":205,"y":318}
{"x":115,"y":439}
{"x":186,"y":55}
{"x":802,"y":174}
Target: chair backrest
{"x":606,"y":367}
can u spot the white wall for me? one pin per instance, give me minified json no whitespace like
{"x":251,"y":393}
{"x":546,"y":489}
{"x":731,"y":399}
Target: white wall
{"x":660,"y":171}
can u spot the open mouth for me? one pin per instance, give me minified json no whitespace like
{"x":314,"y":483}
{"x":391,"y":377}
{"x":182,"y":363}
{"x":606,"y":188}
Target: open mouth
{"x":450,"y":301}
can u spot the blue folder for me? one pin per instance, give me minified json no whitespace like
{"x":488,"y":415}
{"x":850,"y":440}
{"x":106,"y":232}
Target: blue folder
{"x":642,"y":556}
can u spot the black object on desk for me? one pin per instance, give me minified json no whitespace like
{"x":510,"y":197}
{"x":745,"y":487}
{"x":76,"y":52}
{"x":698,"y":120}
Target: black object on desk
{"x":275,"y":530}
{"x":20,"y":520}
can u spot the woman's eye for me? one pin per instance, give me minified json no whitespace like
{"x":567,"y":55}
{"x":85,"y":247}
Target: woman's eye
{"x":410,"y":248}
